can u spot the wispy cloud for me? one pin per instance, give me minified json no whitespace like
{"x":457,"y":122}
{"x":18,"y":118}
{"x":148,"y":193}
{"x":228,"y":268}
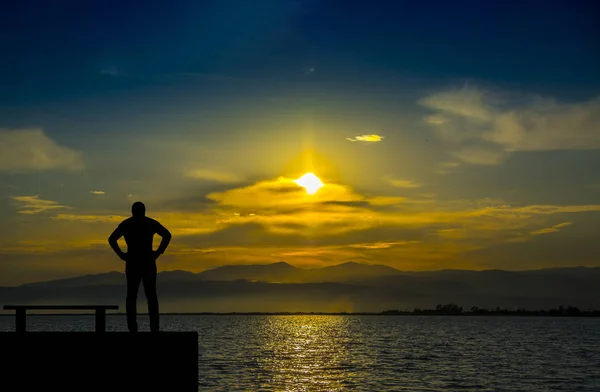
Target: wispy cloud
{"x":216,"y":175}
{"x":447,"y":167}
{"x":97,"y":192}
{"x":381,"y":245}
{"x":366,"y":138}
{"x":552,"y":229}
{"x":30,"y":150}
{"x":436,"y":119}
{"x":45,"y":246}
{"x":88,"y":218}
{"x":484,"y":128}
{"x":34,"y":205}
{"x":554,"y":209}
{"x":480,"y":155}
{"x":398,"y":183}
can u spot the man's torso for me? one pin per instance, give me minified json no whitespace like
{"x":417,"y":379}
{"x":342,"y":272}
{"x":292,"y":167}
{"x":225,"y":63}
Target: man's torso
{"x":139,"y":235}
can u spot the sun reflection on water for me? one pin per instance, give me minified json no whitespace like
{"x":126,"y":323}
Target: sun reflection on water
{"x":307,"y":353}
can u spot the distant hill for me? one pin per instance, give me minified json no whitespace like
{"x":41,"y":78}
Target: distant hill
{"x":276,"y":272}
{"x":108,"y":278}
{"x":345,"y":287}
{"x":283,"y":272}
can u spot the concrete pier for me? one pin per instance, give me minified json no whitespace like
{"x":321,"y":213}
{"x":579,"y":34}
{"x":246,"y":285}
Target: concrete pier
{"x":105,"y":361}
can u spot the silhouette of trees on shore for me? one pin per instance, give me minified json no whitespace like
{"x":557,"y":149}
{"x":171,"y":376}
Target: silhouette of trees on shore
{"x":454,"y":309}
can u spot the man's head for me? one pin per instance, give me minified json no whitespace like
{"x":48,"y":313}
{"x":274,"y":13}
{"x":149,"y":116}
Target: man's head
{"x":138,"y":209}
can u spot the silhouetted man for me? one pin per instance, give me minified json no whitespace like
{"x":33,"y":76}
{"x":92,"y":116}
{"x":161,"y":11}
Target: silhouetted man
{"x":140,"y":261}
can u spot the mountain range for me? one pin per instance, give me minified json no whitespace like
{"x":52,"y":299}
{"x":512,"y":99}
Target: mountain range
{"x":348,"y":287}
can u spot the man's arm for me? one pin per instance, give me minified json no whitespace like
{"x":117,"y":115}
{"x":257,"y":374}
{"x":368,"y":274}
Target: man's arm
{"x":166,"y":238}
{"x":112,"y":240}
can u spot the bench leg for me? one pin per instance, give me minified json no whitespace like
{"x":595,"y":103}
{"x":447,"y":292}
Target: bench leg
{"x":20,"y":323}
{"x":100,"y":320}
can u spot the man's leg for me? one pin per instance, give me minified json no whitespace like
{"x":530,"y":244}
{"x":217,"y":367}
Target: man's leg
{"x":149,"y":280}
{"x":134,"y":278}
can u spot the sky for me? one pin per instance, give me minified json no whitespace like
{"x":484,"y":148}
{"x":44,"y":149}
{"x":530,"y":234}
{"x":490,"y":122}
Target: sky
{"x":447,"y":135}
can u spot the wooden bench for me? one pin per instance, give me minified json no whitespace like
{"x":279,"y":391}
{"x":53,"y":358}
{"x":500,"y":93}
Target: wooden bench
{"x":21,"y":313}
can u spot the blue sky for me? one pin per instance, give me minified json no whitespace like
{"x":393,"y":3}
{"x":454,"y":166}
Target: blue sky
{"x":487,"y":116}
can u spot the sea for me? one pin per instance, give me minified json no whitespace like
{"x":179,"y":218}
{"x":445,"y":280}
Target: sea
{"x":377,"y":353}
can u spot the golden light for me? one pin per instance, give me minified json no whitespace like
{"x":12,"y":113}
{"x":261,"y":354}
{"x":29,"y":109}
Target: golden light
{"x":310,"y":182}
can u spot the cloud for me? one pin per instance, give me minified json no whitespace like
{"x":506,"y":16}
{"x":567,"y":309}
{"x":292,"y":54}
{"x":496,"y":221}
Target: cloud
{"x":447,"y":167}
{"x":45,"y":246}
{"x":88,"y":218}
{"x":480,"y":155}
{"x":402,"y":183}
{"x":385,"y":200}
{"x":284,"y":208}
{"x":381,"y":245}
{"x":552,"y":209}
{"x":552,"y":229}
{"x":30,"y":150}
{"x":212,"y":175}
{"x":97,"y":192}
{"x":484,"y":128}
{"x":337,"y":223}
{"x":366,"y":138}
{"x":282,"y":193}
{"x":436,"y":119}
{"x":33,"y":204}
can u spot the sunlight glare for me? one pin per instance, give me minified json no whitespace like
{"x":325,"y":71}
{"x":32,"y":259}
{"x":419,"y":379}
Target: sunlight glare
{"x":310,"y":182}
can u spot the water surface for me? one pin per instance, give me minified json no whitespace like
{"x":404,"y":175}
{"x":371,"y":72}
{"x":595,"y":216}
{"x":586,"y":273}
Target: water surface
{"x":379,"y":353}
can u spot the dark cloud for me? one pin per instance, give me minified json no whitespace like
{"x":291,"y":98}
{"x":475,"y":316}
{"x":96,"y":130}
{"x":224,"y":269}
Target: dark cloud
{"x":284,"y":188}
{"x":360,"y":204}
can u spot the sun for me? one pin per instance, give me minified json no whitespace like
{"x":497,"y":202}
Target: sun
{"x":310,"y":182}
